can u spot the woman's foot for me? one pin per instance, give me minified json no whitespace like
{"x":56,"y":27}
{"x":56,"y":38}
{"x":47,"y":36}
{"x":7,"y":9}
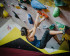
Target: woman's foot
{"x":42,"y":19}
{"x":65,"y":29}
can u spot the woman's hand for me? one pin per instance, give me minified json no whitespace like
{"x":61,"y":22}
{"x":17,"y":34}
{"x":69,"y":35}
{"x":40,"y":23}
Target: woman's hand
{"x":37,"y":16}
{"x":41,"y":21}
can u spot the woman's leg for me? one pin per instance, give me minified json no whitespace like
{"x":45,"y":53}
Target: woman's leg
{"x":55,"y":32}
{"x":47,"y":36}
{"x":41,"y":21}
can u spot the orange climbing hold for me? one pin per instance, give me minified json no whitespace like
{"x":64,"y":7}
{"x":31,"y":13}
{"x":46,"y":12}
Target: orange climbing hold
{"x":43,"y":14}
{"x":39,"y":12}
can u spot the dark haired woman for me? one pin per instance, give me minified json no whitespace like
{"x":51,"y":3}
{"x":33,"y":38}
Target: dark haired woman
{"x":30,"y":34}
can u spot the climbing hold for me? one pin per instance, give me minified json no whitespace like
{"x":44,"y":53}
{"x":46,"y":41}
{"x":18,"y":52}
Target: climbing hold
{"x":46,"y":16}
{"x":8,"y":5}
{"x":5,"y":13}
{"x":17,"y":7}
{"x":5,"y":3}
{"x":19,"y":0}
{"x":60,"y":26}
{"x":45,"y":27}
{"x":38,"y":28}
{"x":30,"y":19}
{"x":40,"y":16}
{"x":1,"y":5}
{"x":23,"y":7}
{"x":43,"y":14}
{"x":27,"y":1}
{"x":45,"y":10}
{"x":9,"y":28}
{"x":56,"y":12}
{"x":24,"y":1}
{"x":39,"y":12}
{"x":52,"y":27}
{"x":16,"y":15}
{"x":24,"y":21}
{"x":37,"y":5}
{"x":59,"y":3}
{"x":11,"y":3}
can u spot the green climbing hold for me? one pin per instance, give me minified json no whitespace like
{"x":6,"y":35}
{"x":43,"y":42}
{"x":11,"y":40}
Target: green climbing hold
{"x":59,"y":3}
{"x":21,"y":1}
{"x":56,"y":12}
{"x":28,"y":2}
{"x":60,"y":26}
{"x":52,"y":27}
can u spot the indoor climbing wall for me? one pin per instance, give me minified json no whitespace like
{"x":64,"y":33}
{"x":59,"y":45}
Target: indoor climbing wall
{"x":23,"y":21}
{"x":65,"y":12}
{"x":47,"y":2}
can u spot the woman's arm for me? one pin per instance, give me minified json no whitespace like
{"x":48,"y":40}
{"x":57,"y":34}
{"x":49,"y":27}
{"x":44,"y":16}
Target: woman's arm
{"x":35,"y":26}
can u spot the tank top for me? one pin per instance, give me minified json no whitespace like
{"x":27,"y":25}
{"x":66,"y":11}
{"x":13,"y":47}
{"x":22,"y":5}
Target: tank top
{"x":35,"y":42}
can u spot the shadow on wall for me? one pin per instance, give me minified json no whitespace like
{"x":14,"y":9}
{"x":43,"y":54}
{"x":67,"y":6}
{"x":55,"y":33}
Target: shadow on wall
{"x":66,"y":20}
{"x":1,"y":11}
{"x":67,"y":8}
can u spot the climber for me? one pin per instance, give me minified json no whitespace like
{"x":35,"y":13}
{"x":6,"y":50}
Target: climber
{"x":30,"y":34}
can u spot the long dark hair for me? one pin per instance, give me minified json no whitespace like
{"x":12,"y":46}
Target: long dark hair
{"x":24,"y":31}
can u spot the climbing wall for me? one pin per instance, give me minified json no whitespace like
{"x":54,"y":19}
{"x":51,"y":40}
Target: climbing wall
{"x":65,"y":12}
{"x":23,"y":21}
{"x":47,"y":2}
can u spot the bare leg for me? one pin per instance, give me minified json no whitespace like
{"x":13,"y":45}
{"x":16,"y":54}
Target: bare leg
{"x":36,"y":21}
{"x":55,"y":37}
{"x":55,"y":32}
{"x":41,"y":21}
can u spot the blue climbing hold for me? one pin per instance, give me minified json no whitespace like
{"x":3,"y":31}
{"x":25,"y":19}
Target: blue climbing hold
{"x":37,"y":5}
{"x":30,"y":19}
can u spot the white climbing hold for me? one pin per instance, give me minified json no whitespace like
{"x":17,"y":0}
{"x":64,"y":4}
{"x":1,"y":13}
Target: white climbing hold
{"x":45,"y":27}
{"x":38,"y":28}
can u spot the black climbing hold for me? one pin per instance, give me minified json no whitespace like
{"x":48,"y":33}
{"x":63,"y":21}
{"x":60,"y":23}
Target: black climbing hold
{"x":23,"y":7}
{"x":16,"y":15}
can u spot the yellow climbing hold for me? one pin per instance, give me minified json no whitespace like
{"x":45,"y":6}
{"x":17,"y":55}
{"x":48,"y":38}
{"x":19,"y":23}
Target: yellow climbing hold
{"x":19,"y":0}
{"x":66,"y":36}
{"x":41,"y":16}
{"x":17,"y":7}
{"x":48,"y":2}
{"x":5,"y":13}
{"x":1,"y":5}
{"x":45,"y":10}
